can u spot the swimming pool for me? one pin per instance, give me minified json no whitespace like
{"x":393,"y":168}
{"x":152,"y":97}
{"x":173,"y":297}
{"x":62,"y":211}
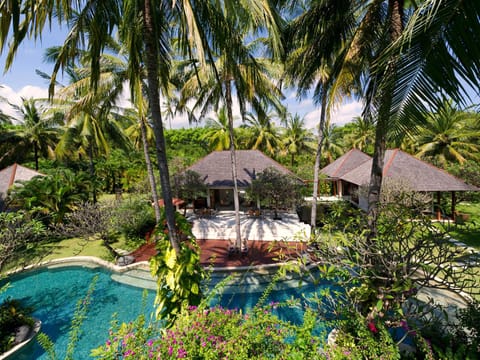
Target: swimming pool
{"x":54,"y":292}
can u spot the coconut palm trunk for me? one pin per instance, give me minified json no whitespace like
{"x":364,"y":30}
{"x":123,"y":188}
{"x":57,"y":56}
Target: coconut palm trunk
{"x":35,"y":149}
{"x":396,"y":27}
{"x":236,"y":202}
{"x":151,"y":55}
{"x":318,"y":156}
{"x":91,"y":167}
{"x":151,"y":175}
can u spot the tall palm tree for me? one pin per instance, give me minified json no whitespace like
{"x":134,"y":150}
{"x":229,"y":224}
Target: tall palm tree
{"x":448,"y":135}
{"x":320,"y":57}
{"x":39,"y":129}
{"x":217,"y":134}
{"x":233,"y":69}
{"x":265,"y":136}
{"x":361,"y":134}
{"x":333,"y":145}
{"x":296,"y":138}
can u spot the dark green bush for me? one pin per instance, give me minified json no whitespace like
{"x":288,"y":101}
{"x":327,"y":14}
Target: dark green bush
{"x":134,"y":218}
{"x":12,"y":315}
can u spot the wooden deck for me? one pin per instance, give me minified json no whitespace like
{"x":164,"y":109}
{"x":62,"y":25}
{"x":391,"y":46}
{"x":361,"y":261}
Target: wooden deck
{"x":215,"y":253}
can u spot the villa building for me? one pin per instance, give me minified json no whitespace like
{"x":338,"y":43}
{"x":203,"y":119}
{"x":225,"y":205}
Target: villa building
{"x":352,"y":170}
{"x":215,"y":170}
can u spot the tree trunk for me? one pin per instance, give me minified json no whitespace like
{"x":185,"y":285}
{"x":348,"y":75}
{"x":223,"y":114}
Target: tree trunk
{"x":236,"y":202}
{"x":151,"y":53}
{"x":91,"y":167}
{"x":151,"y":175}
{"x":35,"y":149}
{"x":318,"y":156}
{"x":374,"y":191}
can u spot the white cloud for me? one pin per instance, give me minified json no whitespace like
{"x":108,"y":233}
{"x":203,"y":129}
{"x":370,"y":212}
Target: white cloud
{"x":347,"y":112}
{"x":33,"y":92}
{"x":8,"y":94}
{"x":344,"y":114}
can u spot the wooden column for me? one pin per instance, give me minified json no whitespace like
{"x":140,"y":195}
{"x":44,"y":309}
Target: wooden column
{"x":439,"y":200}
{"x":454,"y":203}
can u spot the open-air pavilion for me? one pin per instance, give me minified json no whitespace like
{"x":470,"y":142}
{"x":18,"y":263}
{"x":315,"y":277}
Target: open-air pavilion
{"x":215,"y":170}
{"x":352,"y":170}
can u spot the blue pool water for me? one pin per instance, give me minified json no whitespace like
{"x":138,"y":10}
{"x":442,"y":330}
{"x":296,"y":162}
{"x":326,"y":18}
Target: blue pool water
{"x":53,"y":294}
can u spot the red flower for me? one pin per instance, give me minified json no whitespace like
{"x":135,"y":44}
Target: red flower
{"x":372,"y":327}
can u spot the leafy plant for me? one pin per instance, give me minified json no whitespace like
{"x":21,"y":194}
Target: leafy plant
{"x":51,"y":197}
{"x":12,"y":315}
{"x":178,"y":274}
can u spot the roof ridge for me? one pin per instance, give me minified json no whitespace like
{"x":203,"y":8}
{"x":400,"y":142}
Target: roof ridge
{"x":347,"y":155}
{"x":390,"y":161}
{"x":12,"y":176}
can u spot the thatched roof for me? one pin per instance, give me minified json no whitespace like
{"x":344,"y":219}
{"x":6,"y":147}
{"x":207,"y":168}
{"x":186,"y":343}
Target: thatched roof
{"x":420,"y":175}
{"x":12,"y":174}
{"x":216,"y":171}
{"x":345,"y":163}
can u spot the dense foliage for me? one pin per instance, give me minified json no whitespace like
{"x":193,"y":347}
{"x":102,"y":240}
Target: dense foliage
{"x":12,"y":316}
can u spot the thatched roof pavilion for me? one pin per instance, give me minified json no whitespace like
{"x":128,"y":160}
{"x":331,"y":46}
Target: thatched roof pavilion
{"x":215,"y":170}
{"x":354,"y":169}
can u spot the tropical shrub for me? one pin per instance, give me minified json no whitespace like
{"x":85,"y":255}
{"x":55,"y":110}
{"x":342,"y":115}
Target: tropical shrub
{"x":133,"y":217}
{"x":456,"y":339}
{"x":12,"y":316}
{"x":275,"y":189}
{"x":51,"y":197}
{"x":17,"y":230}
{"x":360,"y":338}
{"x":213,"y":333}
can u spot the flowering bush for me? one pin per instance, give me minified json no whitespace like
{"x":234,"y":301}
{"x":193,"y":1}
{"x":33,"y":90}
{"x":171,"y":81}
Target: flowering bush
{"x":213,"y":333}
{"x":361,"y":338}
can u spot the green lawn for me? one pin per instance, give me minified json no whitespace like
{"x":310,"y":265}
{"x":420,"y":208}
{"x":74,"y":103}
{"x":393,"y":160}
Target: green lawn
{"x":47,"y":250}
{"x":469,"y":232}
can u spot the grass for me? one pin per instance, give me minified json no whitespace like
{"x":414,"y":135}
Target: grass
{"x":49,"y":250}
{"x":469,"y":232}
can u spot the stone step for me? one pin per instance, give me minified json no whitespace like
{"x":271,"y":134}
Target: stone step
{"x":136,"y":281}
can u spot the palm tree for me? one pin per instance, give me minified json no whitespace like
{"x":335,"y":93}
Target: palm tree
{"x":333,"y":145}
{"x":448,"y":135}
{"x":320,"y":57}
{"x":361,"y":135}
{"x":265,"y":136}
{"x":217,"y":134}
{"x":296,"y":138}
{"x":39,"y":129}
{"x":234,"y":68}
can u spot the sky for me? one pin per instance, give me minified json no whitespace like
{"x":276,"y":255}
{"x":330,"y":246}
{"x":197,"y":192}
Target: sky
{"x":21,"y":80}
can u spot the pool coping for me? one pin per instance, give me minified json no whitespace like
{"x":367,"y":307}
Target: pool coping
{"x":143,"y":265}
